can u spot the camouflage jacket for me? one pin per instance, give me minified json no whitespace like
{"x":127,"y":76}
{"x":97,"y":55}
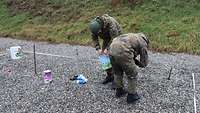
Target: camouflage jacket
{"x":110,"y":30}
{"x":130,"y":46}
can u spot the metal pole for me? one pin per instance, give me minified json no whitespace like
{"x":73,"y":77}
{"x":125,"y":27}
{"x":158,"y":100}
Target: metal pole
{"x":195,"y":107}
{"x":170,"y":72}
{"x":76,"y":52}
{"x":34,"y":58}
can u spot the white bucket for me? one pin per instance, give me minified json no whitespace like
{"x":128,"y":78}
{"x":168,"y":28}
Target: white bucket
{"x":16,"y":52}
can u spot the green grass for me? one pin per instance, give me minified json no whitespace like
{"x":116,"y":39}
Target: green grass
{"x":172,"y":26}
{"x":9,"y":24}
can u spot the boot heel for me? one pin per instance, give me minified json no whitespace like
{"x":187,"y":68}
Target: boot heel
{"x":132,"y":98}
{"x":120,"y":92}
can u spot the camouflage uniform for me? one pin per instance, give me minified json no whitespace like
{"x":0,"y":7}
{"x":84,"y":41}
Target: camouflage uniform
{"x":110,"y":29}
{"x":123,"y":50}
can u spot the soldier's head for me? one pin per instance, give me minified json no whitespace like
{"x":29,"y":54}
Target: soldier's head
{"x":144,"y":37}
{"x":95,"y":25}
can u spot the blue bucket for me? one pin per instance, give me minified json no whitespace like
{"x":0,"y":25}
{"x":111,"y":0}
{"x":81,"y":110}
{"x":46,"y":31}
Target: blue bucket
{"x":105,"y":62}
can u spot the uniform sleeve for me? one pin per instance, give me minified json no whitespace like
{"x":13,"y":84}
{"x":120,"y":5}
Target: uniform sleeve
{"x":95,"y":40}
{"x":106,"y":43}
{"x":113,"y":26}
{"x":144,"y":57}
{"x":115,"y":29}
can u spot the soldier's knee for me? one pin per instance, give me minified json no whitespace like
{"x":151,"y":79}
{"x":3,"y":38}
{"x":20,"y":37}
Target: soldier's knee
{"x":133,"y":75}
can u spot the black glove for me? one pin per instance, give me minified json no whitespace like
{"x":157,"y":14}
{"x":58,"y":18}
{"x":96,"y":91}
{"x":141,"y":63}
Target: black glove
{"x":74,"y":78}
{"x":138,"y":63}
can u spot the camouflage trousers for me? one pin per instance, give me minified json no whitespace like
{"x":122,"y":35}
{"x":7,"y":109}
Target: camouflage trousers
{"x":125,"y":64}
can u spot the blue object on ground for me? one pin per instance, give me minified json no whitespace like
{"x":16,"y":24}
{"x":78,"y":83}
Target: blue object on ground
{"x":80,"y":79}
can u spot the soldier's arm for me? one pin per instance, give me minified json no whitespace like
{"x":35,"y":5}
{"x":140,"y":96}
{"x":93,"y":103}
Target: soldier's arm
{"x":113,"y":32}
{"x":95,"y":40}
{"x":113,"y":28}
{"x":143,"y":57}
{"x":106,"y":39}
{"x":137,"y":62}
{"x":106,"y":43}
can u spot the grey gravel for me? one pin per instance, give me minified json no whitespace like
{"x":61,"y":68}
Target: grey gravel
{"x":23,"y":92}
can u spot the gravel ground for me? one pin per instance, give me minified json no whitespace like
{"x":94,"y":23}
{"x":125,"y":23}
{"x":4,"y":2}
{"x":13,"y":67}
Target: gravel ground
{"x":23,"y":92}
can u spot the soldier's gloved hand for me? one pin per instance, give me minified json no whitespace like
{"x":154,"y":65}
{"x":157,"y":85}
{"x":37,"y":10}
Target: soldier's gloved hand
{"x":74,"y":77}
{"x":100,"y":52}
{"x":106,"y":52}
{"x":138,"y":63}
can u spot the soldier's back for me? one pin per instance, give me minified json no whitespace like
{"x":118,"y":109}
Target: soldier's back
{"x":127,"y":44}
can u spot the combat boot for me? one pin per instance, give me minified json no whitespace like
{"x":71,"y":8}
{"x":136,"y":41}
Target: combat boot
{"x":120,"y":92}
{"x":109,"y":78}
{"x":131,"y":98}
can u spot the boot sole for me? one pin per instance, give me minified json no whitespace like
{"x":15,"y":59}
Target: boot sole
{"x":122,"y":95}
{"x":134,"y":101}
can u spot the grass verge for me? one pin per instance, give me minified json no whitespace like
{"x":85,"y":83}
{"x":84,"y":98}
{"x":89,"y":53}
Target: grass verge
{"x":172,"y":26}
